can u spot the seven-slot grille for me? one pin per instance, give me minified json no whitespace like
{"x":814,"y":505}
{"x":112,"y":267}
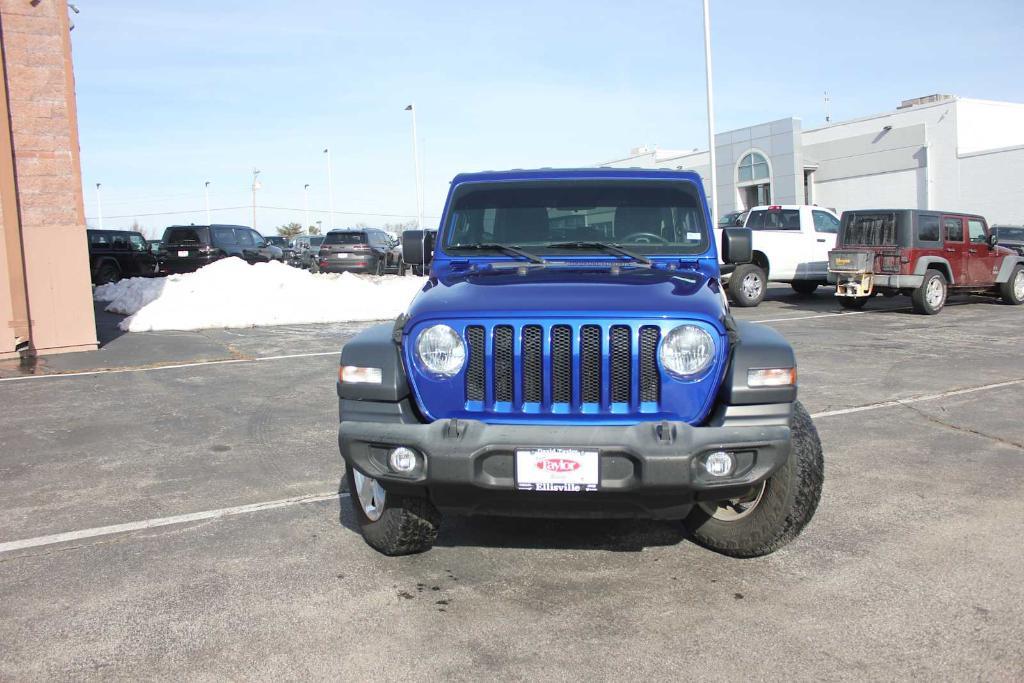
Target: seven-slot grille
{"x":539,"y":367}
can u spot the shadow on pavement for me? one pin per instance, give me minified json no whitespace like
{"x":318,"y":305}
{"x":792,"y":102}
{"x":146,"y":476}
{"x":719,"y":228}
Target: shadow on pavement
{"x":617,"y":535}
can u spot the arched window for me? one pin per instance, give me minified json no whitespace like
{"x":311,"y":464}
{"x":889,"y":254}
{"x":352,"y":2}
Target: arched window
{"x":752,"y":167}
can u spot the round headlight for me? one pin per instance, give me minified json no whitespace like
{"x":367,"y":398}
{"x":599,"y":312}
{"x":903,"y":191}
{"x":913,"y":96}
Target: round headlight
{"x":687,"y":350}
{"x":441,"y":350}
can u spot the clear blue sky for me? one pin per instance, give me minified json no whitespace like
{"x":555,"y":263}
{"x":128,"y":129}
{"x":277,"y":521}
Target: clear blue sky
{"x":172,"y":94}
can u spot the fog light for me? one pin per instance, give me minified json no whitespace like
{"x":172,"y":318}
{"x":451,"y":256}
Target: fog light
{"x":402,"y":459}
{"x":718,"y":464}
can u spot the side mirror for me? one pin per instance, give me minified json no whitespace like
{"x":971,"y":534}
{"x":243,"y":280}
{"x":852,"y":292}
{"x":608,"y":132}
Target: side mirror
{"x":417,"y":247}
{"x":737,"y":245}
{"x":993,"y":240}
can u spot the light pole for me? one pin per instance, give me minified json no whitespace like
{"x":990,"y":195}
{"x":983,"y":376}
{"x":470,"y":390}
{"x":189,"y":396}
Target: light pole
{"x":711,"y":116}
{"x":305,"y":203}
{"x":206,"y":195}
{"x":330,"y":182}
{"x":320,"y":227}
{"x":416,"y":167}
{"x":99,"y":205}
{"x":255,"y":186}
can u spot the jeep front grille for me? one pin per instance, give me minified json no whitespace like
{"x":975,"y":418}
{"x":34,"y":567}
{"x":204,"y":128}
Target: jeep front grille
{"x":552,"y":367}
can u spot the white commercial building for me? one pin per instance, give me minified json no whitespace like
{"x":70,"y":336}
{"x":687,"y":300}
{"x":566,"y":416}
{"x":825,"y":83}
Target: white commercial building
{"x":937,"y":152}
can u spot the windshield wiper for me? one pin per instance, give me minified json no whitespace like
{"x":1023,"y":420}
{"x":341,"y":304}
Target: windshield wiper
{"x":504,"y":248}
{"x":607,"y":246}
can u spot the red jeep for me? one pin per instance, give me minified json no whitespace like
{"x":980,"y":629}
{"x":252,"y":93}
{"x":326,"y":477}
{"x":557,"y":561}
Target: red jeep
{"x":923,"y":254}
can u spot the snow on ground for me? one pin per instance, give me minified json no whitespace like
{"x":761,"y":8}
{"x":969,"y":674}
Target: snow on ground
{"x":232,"y":293}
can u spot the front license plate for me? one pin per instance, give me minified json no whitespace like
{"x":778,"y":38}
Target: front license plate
{"x":182,"y":253}
{"x":557,"y":469}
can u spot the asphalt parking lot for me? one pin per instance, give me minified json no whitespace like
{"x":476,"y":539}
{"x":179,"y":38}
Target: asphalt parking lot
{"x":218,"y":452}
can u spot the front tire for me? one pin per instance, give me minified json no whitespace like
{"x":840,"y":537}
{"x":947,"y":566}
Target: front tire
{"x":390,"y":524}
{"x":747,"y":285}
{"x":773,"y":513}
{"x":806,"y":287}
{"x":930,"y":297}
{"x":1012,"y":291}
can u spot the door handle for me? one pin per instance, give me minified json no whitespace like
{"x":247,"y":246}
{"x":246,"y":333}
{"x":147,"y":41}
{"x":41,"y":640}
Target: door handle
{"x":951,"y":251}
{"x":972,"y":251}
{"x":821,"y":240}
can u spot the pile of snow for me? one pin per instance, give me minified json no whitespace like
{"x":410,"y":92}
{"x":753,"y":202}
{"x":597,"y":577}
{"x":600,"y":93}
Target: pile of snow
{"x":232,"y":293}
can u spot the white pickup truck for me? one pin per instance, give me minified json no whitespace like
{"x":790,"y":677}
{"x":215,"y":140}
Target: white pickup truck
{"x":791,"y":244}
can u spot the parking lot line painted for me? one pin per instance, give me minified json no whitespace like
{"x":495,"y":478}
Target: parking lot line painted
{"x":114,"y":371}
{"x":829,"y":315}
{"x":916,"y":399}
{"x":83,"y":534}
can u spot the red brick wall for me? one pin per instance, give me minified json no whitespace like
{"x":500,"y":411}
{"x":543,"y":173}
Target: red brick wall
{"x":44,"y":138}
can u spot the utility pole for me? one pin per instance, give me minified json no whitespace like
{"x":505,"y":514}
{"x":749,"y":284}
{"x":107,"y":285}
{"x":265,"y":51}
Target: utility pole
{"x":330,"y":183}
{"x":828,"y":112}
{"x":99,"y":205}
{"x":206,"y":194}
{"x":416,"y":168}
{"x":305,"y":203}
{"x":711,"y":116}
{"x":255,"y":186}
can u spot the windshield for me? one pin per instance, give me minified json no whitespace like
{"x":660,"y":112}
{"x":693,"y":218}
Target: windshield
{"x":648,"y":217}
{"x":1010,"y":233}
{"x":316,"y":241}
{"x":276,"y":240}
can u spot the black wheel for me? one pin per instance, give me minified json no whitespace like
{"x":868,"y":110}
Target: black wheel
{"x":1012,"y":291}
{"x":108,"y":273}
{"x":392,"y":525}
{"x":314,"y":267}
{"x":771,"y":514}
{"x":379,"y":270}
{"x":804,"y":286}
{"x":401,"y":267}
{"x":930,"y":297}
{"x":747,"y":285}
{"x":853,"y":302}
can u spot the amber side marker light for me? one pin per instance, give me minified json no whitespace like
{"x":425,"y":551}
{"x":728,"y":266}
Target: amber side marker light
{"x":353,"y":374}
{"x":771,"y":377}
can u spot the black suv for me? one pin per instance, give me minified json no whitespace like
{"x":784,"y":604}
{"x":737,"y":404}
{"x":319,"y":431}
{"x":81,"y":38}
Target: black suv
{"x":114,"y":254}
{"x":187,"y":248}
{"x":1010,"y":236}
{"x":366,"y":250}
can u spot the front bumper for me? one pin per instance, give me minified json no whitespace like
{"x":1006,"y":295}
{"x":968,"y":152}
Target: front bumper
{"x":651,"y":469}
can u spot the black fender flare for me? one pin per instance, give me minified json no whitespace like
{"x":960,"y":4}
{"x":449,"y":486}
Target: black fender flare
{"x":924,"y":262}
{"x":375,"y":347}
{"x":756,"y":346}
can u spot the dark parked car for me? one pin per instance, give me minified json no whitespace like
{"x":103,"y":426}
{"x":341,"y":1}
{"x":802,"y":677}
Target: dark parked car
{"x":1010,"y":236}
{"x":306,"y":248}
{"x":366,"y":250}
{"x":733,"y":219}
{"x":114,"y":254}
{"x":287,"y":253}
{"x":187,"y":248}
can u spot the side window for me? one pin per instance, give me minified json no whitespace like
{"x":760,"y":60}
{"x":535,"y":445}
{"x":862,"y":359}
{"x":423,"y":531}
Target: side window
{"x":928,"y":228}
{"x":257,"y":239}
{"x":976,"y":231}
{"x":244,"y":237}
{"x":825,"y":222}
{"x":223,"y":235}
{"x":756,"y":220}
{"x":138,"y":244}
{"x":99,"y":239}
{"x":954,"y":229}
{"x":119,"y":242}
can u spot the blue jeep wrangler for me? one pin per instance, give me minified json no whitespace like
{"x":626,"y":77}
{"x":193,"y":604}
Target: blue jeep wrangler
{"x":572,"y":355}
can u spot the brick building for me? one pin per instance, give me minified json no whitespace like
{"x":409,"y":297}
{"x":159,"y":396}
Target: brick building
{"x":45,"y":295}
